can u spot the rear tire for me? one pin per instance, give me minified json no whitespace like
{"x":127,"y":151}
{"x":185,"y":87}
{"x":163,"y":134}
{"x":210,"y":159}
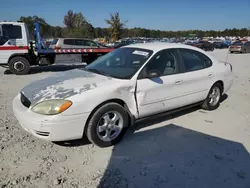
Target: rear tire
{"x":212,"y":101}
{"x":19,"y":65}
{"x":102,"y":130}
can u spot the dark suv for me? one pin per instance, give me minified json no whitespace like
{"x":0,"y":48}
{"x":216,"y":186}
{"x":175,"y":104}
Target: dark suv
{"x":205,"y":45}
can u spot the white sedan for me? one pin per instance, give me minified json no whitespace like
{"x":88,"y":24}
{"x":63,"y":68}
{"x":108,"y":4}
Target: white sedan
{"x":123,"y":86}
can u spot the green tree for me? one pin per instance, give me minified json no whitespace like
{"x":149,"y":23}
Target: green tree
{"x":78,"y":26}
{"x":79,"y":20}
{"x":57,"y":32}
{"x":90,"y":30}
{"x":69,"y":20}
{"x":116,"y":26}
{"x":45,"y":28}
{"x":99,"y":32}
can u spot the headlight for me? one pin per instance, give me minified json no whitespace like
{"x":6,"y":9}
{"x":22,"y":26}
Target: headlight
{"x":51,"y":107}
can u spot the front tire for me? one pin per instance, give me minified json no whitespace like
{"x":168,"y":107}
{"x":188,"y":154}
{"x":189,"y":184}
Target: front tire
{"x":212,"y":101}
{"x":19,"y":66}
{"x":107,"y":125}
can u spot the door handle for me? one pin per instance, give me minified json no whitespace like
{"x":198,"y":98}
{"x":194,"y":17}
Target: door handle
{"x":210,"y":75}
{"x":178,"y":82}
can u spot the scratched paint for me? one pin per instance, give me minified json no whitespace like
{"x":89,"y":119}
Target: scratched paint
{"x":62,"y":85}
{"x":77,"y":83}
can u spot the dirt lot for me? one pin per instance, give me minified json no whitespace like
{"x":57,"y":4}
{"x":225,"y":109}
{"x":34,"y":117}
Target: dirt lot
{"x":195,"y":148}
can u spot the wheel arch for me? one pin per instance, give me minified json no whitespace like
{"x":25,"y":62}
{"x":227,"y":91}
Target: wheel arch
{"x":115,"y":100}
{"x":221,"y":83}
{"x":25,"y":55}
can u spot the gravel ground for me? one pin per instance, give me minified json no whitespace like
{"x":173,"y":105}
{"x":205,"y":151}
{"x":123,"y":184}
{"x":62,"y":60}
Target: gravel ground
{"x":194,"y":148}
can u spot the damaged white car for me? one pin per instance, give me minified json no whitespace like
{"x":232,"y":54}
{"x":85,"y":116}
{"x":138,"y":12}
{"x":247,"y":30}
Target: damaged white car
{"x":125,"y":85}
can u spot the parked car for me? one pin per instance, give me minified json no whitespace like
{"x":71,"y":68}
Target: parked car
{"x":240,"y":47}
{"x":220,"y":45}
{"x":128,"y":84}
{"x":122,"y":43}
{"x":75,"y":43}
{"x":227,"y":42}
{"x":205,"y":45}
{"x":192,"y":43}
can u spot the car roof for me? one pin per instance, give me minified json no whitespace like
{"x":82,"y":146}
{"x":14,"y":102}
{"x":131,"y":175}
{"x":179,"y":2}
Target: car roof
{"x":14,"y":23}
{"x":72,"y":38}
{"x":157,"y":46}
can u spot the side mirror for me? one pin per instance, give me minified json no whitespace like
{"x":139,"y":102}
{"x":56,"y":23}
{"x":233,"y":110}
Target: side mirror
{"x":153,"y":74}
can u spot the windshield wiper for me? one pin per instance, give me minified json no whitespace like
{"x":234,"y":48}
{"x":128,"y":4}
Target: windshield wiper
{"x":98,"y":72}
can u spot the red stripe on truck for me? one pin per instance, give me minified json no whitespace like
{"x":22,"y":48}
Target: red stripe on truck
{"x":84,"y":50}
{"x":13,"y":47}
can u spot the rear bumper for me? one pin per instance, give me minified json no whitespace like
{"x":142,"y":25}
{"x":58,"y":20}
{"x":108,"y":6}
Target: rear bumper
{"x":235,"y":49}
{"x":51,"y":128}
{"x":228,"y":84}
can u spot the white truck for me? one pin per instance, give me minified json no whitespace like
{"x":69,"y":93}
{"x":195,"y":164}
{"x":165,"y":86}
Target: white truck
{"x":19,"y":53}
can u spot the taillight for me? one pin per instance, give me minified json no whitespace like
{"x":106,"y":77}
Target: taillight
{"x":231,"y":67}
{"x":57,"y":47}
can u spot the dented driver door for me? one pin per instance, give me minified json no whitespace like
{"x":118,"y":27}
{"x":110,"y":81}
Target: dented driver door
{"x":162,"y":93}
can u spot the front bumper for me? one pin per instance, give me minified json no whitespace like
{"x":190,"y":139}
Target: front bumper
{"x":52,"y":128}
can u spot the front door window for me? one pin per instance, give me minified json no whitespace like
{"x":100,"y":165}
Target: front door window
{"x":164,"y":62}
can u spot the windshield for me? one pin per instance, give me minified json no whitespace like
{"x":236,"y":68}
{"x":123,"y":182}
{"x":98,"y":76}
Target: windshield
{"x":100,"y":44}
{"x":121,"y":63}
{"x":54,"y":42}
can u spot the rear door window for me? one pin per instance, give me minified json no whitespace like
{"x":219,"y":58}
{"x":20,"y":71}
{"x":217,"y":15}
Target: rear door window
{"x":194,"y":60}
{"x":69,"y":42}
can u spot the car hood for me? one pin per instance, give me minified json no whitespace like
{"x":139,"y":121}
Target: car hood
{"x":64,"y":85}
